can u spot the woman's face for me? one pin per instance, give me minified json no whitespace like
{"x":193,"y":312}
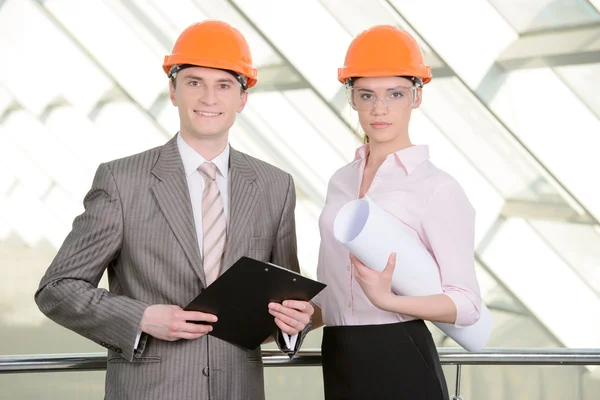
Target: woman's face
{"x":384,"y":106}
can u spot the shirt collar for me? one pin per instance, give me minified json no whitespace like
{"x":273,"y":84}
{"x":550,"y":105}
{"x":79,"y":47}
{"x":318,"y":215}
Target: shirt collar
{"x":409,"y":158}
{"x":192,"y":160}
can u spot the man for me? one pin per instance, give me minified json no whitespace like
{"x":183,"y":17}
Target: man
{"x":167,"y":222}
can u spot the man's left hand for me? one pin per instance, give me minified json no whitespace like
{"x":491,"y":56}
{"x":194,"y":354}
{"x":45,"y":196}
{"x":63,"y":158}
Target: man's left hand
{"x":292,"y":316}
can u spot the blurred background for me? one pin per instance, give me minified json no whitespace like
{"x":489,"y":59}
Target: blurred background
{"x":513,"y":112}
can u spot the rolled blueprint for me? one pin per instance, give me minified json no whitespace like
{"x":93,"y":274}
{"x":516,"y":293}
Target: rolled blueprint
{"x":372,"y":234}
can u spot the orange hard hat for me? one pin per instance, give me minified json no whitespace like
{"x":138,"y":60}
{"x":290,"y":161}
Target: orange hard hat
{"x":213,"y":44}
{"x":384,"y":50}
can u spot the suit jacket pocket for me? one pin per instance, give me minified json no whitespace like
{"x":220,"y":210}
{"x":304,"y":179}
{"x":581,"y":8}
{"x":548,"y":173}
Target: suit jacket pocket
{"x":261,"y":247}
{"x":136,"y":360}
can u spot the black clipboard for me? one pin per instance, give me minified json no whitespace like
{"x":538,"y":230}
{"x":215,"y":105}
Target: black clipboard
{"x":240,"y":298}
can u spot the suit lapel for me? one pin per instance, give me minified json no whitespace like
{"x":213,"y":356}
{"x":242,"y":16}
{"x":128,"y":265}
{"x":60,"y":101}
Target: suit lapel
{"x":243,"y":196}
{"x":173,"y":197}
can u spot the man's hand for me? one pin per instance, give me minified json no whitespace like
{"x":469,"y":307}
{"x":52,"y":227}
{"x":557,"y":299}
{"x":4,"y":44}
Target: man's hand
{"x":292,"y":316}
{"x":167,"y":322}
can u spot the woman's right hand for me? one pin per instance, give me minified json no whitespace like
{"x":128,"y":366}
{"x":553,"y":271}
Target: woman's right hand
{"x":376,"y":285}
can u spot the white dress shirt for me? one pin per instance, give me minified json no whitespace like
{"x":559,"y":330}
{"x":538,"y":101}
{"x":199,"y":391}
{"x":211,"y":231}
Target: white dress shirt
{"x":191,"y":162}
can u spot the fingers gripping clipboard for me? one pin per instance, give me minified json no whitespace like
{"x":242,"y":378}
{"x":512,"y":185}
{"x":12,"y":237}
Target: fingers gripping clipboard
{"x":240,"y":297}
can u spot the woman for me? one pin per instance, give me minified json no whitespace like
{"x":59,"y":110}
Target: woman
{"x":375,"y":343}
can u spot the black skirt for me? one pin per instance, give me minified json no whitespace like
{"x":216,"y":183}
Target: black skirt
{"x":391,"y":361}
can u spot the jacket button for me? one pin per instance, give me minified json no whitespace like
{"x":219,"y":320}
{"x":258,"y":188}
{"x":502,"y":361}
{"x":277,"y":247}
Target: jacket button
{"x":118,"y":350}
{"x":205,"y":371}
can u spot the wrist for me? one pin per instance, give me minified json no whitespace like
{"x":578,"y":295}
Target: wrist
{"x":389,"y":302}
{"x":144,"y":320}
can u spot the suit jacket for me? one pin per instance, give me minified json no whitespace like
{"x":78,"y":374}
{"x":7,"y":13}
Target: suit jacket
{"x":138,"y":225}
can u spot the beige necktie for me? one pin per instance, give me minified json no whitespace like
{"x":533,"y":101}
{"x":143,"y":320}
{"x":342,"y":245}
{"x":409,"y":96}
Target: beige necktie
{"x":213,"y":224}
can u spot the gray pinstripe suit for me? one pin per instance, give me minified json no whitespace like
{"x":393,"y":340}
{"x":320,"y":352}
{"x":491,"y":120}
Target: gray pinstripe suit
{"x":138,"y":225}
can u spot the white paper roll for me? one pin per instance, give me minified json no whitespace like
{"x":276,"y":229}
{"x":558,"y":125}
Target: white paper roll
{"x":371,"y":234}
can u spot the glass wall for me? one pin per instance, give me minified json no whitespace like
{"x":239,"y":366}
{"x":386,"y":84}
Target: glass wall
{"x":512,"y":113}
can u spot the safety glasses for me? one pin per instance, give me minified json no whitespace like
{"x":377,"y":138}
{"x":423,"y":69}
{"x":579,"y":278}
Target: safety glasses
{"x":393,"y":98}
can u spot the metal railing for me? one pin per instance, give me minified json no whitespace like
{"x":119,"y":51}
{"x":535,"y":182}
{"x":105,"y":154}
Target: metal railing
{"x":312,"y":358}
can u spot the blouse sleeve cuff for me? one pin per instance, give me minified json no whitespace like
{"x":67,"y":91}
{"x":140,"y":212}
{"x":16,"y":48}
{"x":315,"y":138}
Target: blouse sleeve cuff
{"x":466,"y":312}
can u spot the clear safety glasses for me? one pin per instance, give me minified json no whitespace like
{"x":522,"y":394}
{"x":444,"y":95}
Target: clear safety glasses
{"x":395,"y":98}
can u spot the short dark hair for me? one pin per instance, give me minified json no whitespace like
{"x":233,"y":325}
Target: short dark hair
{"x":238,"y":77}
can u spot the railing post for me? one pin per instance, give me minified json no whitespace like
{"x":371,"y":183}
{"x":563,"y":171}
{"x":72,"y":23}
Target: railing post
{"x":457,"y":395}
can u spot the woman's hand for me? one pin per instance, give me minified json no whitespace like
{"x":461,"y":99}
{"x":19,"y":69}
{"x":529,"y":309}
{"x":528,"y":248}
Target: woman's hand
{"x":376,"y":285}
{"x":378,"y":288}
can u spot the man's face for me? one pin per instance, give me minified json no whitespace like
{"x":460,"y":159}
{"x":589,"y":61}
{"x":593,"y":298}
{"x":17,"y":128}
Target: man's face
{"x":208,"y":100}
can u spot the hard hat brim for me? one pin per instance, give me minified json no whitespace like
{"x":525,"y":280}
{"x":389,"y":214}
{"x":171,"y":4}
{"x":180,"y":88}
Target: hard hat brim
{"x":345,"y":73}
{"x":247,"y":70}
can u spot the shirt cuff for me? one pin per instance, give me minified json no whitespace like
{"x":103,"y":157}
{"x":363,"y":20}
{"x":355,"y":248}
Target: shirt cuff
{"x":137,"y":339}
{"x":466,"y":312}
{"x":290,"y":341}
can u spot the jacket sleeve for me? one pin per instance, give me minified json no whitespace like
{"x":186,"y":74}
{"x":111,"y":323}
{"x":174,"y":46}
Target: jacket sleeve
{"x":68,"y":293}
{"x":285,"y":254}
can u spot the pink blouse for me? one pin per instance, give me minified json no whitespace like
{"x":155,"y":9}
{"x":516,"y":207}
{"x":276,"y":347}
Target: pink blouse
{"x":437,"y":211}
